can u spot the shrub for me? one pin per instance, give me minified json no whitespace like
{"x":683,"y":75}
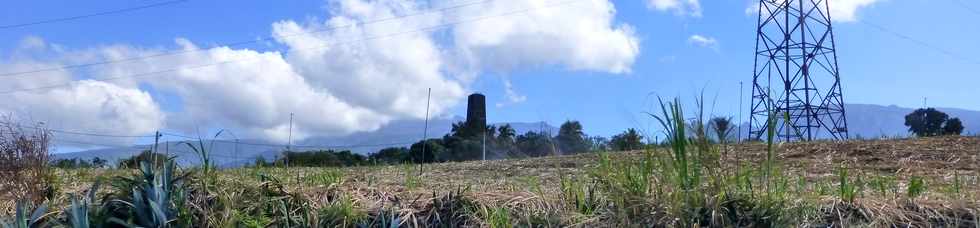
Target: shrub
{"x":156,"y":159}
{"x":24,"y":172}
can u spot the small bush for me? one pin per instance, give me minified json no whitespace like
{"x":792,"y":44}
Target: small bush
{"x":24,"y":172}
{"x":155,"y":159}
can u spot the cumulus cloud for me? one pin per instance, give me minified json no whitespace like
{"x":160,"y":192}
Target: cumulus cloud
{"x":119,"y":110}
{"x":338,"y":76}
{"x":840,"y":10}
{"x":389,"y":74}
{"x":846,"y":10}
{"x":680,"y":7}
{"x":92,"y":106}
{"x":703,"y":41}
{"x":257,"y":95}
{"x":579,"y":36}
{"x":88,"y":105}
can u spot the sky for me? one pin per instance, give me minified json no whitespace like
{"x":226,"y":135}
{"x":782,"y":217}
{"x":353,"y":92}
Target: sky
{"x":346,"y":66}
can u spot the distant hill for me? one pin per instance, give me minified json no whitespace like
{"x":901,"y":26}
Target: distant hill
{"x":865,"y":120}
{"x":225,"y":153}
{"x":875,"y":120}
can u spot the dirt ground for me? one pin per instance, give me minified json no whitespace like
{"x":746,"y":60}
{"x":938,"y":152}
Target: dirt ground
{"x":938,"y":160}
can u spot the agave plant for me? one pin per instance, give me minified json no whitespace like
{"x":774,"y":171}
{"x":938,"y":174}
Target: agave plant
{"x":158,"y":198}
{"x":22,"y":220}
{"x":383,"y":218}
{"x":78,"y":211}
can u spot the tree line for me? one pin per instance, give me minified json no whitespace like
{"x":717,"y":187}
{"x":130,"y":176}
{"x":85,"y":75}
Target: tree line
{"x":466,"y":143}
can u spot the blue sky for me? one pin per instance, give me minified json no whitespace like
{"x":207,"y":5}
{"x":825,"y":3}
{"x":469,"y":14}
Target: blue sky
{"x":877,"y":67}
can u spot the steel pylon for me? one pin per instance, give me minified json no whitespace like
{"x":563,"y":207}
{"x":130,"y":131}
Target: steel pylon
{"x":796,"y":83}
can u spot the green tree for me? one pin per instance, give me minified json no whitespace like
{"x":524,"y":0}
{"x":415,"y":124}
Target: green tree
{"x":599,"y":143}
{"x":98,"y":162}
{"x":506,"y":134}
{"x":503,"y":145}
{"x":722,"y":127}
{"x":571,"y":139}
{"x":325,"y":158}
{"x":391,"y":155}
{"x":926,"y":122}
{"x":434,"y":151}
{"x":260,"y":162}
{"x":535,"y":144}
{"x":953,"y":127}
{"x":628,"y":140}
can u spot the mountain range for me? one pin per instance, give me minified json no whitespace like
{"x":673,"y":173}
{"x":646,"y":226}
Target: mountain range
{"x":865,"y":121}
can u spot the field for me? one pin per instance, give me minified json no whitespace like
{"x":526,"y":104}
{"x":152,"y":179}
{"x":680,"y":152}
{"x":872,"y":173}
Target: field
{"x":877,"y":183}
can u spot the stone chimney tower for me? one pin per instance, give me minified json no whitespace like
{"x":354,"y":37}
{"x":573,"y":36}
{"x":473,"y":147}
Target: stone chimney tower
{"x":476,"y":112}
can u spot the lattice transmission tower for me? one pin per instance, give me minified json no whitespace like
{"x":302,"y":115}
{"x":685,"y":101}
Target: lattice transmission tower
{"x":796,"y":80}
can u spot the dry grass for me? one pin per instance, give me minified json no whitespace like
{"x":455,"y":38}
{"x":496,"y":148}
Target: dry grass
{"x":534,"y":183}
{"x":529,"y":189}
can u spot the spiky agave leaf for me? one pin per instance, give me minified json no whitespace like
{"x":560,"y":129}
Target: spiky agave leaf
{"x":21,"y":219}
{"x":78,"y":212}
{"x":157,"y":196}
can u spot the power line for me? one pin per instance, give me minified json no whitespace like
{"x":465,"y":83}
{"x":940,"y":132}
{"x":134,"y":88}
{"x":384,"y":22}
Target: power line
{"x":921,"y":43}
{"x":239,"y":43}
{"x":967,"y":7}
{"x":96,"y":134}
{"x":317,"y":146}
{"x":87,"y":133}
{"x":92,"y":143}
{"x":147,"y":147}
{"x":210,"y":140}
{"x":124,"y":10}
{"x":318,"y":47}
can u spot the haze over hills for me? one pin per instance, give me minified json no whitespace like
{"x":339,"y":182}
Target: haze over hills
{"x":226,"y":154}
{"x":865,"y":120}
{"x":874,"y":121}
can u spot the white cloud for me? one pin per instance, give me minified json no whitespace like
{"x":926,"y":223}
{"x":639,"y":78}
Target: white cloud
{"x":389,"y":74}
{"x":86,"y":105}
{"x":840,"y":10}
{"x":93,"y":106}
{"x":580,"y":36}
{"x":32,"y":42}
{"x":680,"y":7}
{"x":846,"y":10}
{"x":335,"y":81}
{"x":703,"y":41}
{"x":256,"y":96}
{"x":512,"y":96}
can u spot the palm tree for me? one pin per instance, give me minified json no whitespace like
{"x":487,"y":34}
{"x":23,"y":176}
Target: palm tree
{"x":628,"y":140}
{"x":506,"y":134}
{"x":722,"y":127}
